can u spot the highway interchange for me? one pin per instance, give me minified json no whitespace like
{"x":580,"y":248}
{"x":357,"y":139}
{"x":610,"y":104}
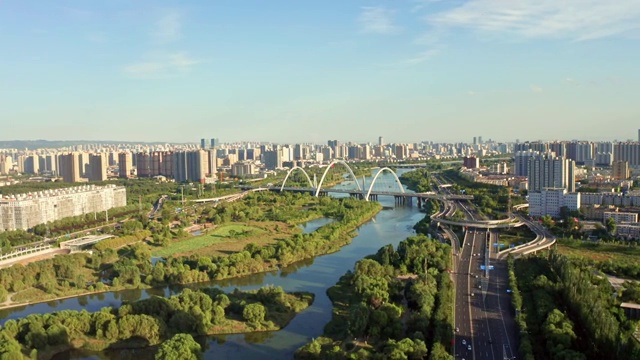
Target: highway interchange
{"x":485,"y":327}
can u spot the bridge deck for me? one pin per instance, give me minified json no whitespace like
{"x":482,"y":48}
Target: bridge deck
{"x":373,"y":192}
{"x":85,"y":240}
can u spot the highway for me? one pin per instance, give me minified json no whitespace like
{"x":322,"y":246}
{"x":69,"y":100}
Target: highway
{"x":483,"y":316}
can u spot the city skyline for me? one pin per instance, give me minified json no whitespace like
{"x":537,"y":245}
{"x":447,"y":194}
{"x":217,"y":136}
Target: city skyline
{"x":408,"y":71}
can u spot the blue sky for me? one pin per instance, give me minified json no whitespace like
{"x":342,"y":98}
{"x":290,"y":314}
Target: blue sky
{"x":308,"y":71}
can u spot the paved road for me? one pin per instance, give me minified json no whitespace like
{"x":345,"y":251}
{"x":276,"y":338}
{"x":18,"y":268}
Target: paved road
{"x":463,"y":314}
{"x":484,"y":319}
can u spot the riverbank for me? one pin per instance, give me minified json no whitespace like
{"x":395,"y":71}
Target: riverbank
{"x":337,"y":239}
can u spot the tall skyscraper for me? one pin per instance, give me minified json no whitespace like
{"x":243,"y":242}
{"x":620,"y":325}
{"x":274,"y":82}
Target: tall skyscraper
{"x":203,"y":143}
{"x":70,"y":167}
{"x":214,"y":142}
{"x":125,"y":164}
{"x":475,"y":140}
{"x":98,"y":166}
{"x":380,"y":141}
{"x":638,"y":135}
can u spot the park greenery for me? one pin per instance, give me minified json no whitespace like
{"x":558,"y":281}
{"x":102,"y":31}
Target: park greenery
{"x":565,"y":310}
{"x":491,"y":200}
{"x":126,"y":261}
{"x":396,"y":304}
{"x":417,"y":180}
{"x":618,"y":258}
{"x":151,"y":321}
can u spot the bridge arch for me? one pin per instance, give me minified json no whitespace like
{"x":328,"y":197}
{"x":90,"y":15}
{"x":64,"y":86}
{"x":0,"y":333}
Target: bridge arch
{"x":334,"y":162}
{"x":289,"y":173}
{"x":376,"y":177}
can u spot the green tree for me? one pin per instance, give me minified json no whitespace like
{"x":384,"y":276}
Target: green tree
{"x":611,"y":226}
{"x":179,"y":347}
{"x":254,"y":313}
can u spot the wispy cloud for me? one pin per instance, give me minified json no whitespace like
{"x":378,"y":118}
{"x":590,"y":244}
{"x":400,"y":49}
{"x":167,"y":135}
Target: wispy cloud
{"x":567,"y":19}
{"x":421,"y":57}
{"x":167,"y":66}
{"x":421,"y":4}
{"x":536,"y":89}
{"x":377,"y":20}
{"x":169,"y":27}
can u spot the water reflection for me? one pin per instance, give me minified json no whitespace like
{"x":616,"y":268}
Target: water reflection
{"x":314,"y":275}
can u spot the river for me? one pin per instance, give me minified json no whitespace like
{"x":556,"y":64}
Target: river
{"x":390,"y":226}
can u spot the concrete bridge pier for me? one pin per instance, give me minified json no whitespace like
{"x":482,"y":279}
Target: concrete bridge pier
{"x":357,"y":195}
{"x":402,"y":200}
{"x":373,"y":197}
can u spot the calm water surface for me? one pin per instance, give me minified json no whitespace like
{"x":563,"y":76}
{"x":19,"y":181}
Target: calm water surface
{"x":390,"y":226}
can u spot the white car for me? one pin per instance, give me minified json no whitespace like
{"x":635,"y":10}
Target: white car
{"x":464,"y":342}
{"x":469,"y":347}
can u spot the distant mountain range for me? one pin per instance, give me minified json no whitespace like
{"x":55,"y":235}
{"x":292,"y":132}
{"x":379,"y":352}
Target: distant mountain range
{"x":39,"y":144}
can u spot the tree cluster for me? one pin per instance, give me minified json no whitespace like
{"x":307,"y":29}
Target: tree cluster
{"x":569,"y":312}
{"x":151,"y":321}
{"x":400,"y":300}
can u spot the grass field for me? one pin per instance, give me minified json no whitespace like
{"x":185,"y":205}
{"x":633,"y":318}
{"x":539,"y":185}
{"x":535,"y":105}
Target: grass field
{"x":516,"y":236}
{"x":230,"y":238}
{"x":598,"y":251}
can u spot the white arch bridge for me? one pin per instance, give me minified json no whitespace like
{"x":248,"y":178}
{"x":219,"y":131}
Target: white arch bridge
{"x":370,"y":193}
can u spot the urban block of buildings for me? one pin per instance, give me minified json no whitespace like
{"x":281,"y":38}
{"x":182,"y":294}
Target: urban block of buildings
{"x":24,"y":211}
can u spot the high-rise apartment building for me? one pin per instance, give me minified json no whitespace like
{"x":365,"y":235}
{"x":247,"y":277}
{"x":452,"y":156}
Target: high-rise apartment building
{"x":24,"y":211}
{"x":548,"y":171}
{"x":272,"y":159}
{"x":98,"y":167}
{"x":327,"y":153}
{"x":380,"y":141}
{"x":70,"y":166}
{"x":521,"y":162}
{"x":603,"y":153}
{"x":212,"y":161}
{"x":190,"y":166}
{"x":203,"y":143}
{"x":471,"y":162}
{"x":550,"y":201}
{"x":627,"y":151}
{"x":620,"y":170}
{"x":125,"y":164}
{"x":51,"y":163}
{"x":559,"y":148}
{"x":401,"y":152}
{"x":6,"y":164}
{"x":32,"y":164}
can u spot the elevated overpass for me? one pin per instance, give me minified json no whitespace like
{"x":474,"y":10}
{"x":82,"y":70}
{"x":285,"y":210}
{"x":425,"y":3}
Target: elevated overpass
{"x":77,"y":244}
